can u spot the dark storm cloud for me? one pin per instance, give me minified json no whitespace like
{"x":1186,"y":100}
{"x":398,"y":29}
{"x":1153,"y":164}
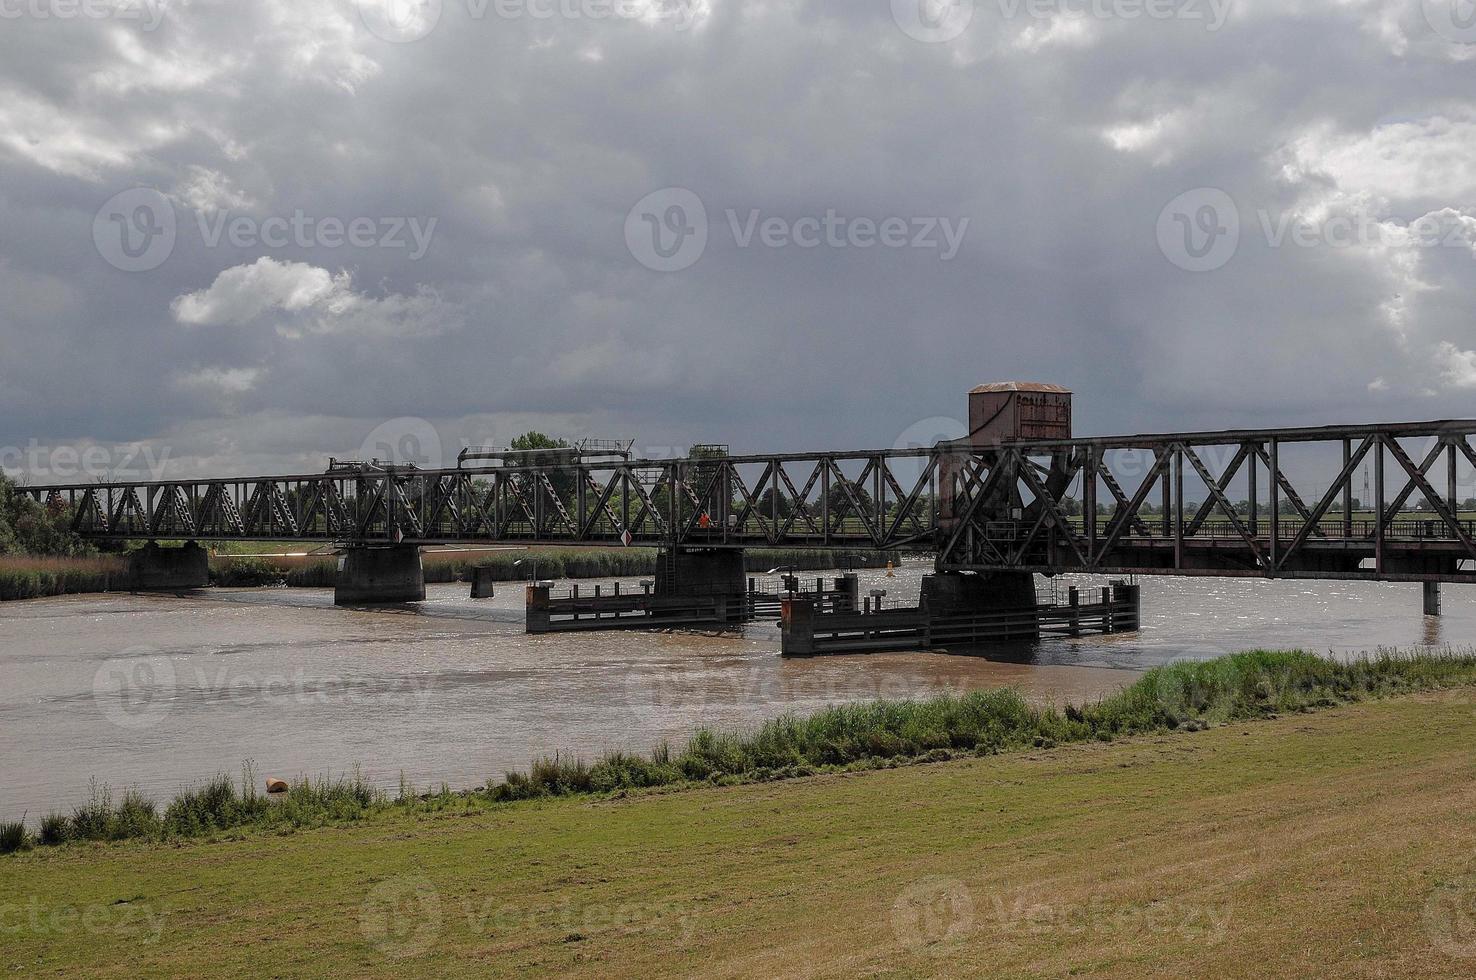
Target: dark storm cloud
{"x":1055,"y":142}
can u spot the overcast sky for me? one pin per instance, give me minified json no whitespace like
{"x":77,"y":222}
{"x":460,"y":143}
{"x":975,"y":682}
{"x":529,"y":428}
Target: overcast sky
{"x":255,"y":233}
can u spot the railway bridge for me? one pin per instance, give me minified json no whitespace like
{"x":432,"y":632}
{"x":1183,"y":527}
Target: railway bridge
{"x":1019,"y":495}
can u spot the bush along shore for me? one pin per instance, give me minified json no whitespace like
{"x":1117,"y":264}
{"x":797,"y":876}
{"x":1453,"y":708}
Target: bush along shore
{"x":38,"y":577}
{"x":871,"y":735}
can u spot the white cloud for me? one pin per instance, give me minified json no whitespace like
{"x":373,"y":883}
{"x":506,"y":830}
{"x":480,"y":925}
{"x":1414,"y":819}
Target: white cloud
{"x":311,"y":300}
{"x":241,"y":294}
{"x":231,"y":381}
{"x":1457,"y":367}
{"x":206,"y":190}
{"x":1065,"y":30}
{"x":1431,"y":157}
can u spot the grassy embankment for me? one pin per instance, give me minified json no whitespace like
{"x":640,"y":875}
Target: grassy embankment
{"x":1333,"y":843}
{"x":843,"y":738}
{"x":30,"y":577}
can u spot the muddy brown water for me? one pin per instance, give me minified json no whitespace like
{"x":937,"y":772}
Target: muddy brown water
{"x":162,"y":692}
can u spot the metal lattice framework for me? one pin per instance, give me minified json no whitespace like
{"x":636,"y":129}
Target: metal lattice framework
{"x":1117,"y":504}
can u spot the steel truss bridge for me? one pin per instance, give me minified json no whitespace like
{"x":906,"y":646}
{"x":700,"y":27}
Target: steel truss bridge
{"x":1197,"y":503}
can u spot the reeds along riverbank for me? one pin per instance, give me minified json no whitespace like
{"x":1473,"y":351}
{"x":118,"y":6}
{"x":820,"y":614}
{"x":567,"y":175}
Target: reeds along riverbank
{"x":34,"y":577}
{"x":851,"y":737}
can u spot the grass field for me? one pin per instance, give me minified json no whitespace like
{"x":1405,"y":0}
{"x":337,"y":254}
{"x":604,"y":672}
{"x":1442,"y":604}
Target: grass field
{"x":1338,"y":843}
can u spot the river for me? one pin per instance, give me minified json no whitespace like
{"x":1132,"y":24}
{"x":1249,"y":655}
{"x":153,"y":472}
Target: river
{"x":161,"y":692}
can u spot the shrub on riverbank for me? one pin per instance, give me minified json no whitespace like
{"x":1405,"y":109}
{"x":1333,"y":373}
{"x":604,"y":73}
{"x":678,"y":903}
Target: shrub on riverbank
{"x":866,"y":735}
{"x":14,"y":837}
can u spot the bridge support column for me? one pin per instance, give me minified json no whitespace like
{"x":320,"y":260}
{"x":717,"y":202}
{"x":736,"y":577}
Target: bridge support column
{"x":1432,"y":598}
{"x":169,"y":569}
{"x":482,"y":583}
{"x":536,"y":608}
{"x":955,"y":593}
{"x":850,"y":588}
{"x":701,"y":573}
{"x":797,"y":627}
{"x":370,"y":576}
{"x":1126,"y":601}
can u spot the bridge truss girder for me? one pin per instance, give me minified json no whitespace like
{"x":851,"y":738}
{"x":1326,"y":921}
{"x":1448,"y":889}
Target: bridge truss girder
{"x":1216,"y":503}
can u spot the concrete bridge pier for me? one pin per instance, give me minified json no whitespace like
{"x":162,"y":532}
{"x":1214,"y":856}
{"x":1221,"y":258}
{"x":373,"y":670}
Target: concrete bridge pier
{"x":370,"y":576}
{"x":701,"y":573}
{"x":957,"y":593}
{"x":1432,"y":598}
{"x":169,"y":569}
{"x":483,"y":585}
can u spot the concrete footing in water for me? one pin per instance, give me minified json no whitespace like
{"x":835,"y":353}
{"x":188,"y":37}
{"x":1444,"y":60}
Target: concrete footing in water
{"x":483,"y":585}
{"x":1432,"y":598}
{"x":372,"y":576}
{"x":169,"y":569}
{"x":957,"y":611}
{"x":704,"y":573}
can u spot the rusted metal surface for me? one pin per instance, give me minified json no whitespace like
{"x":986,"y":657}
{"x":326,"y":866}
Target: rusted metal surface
{"x":1018,"y":411}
